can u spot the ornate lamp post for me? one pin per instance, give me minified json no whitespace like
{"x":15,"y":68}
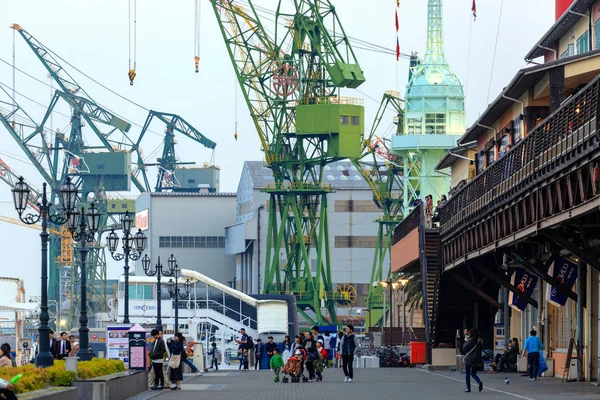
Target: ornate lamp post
{"x":403,"y":282}
{"x":393,"y":285}
{"x":83,"y":226}
{"x":21,"y":194}
{"x":133,"y":245}
{"x":158,"y":271}
{"x":176,"y":292}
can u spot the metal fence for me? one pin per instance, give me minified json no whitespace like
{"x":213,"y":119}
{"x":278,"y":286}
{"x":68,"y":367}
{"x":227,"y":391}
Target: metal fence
{"x":544,"y":151}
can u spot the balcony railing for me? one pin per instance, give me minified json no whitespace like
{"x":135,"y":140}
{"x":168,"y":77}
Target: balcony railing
{"x":549,"y":147}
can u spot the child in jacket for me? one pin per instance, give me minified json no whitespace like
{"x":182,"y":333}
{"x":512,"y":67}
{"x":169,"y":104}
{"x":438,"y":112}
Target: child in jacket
{"x":276,"y":363}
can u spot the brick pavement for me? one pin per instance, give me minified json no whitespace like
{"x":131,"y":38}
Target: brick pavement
{"x":410,"y":383}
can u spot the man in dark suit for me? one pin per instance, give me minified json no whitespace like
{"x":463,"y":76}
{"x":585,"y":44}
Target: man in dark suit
{"x":62,"y":346}
{"x":52,"y":344}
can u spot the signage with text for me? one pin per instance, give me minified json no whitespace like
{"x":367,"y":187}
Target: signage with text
{"x":565,"y":272}
{"x":525,"y":283}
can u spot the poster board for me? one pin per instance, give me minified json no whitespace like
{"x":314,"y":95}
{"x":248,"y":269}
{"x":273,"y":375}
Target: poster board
{"x":117,"y":343}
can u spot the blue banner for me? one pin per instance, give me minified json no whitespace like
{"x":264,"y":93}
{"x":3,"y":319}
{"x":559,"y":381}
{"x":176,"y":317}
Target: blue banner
{"x":565,"y":272}
{"x":525,"y":283}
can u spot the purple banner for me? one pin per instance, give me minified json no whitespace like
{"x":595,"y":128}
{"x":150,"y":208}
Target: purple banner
{"x":564,"y":271}
{"x":525,"y":283}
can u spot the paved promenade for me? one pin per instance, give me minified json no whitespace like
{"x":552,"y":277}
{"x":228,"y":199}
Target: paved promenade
{"x":410,"y":383}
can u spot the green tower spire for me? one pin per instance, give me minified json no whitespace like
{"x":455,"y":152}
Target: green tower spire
{"x":434,"y":115}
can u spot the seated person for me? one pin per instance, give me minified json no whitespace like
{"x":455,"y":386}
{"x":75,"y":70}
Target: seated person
{"x":508,"y":357}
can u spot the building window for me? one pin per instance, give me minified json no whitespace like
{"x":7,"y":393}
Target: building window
{"x":479,"y":162}
{"x":517,"y":131}
{"x":502,"y":143}
{"x":414,"y":126}
{"x":597,"y":32}
{"x":435,"y":124}
{"x":582,"y":43}
{"x":355,"y":121}
{"x":199,"y":242}
{"x":355,"y":242}
{"x":355,"y":206}
{"x":344,"y":119}
{"x":570,"y":51}
{"x":140,"y":292}
{"x":490,"y":156}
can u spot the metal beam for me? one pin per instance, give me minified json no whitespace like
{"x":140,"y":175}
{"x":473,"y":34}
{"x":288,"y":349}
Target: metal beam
{"x":498,"y":278}
{"x":532,"y":269}
{"x":477,"y":291}
{"x":576,"y":250}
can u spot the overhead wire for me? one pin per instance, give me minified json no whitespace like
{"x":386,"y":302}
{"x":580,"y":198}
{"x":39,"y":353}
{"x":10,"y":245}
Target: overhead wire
{"x":495,"y":48}
{"x":197,"y":20}
{"x":32,"y":100}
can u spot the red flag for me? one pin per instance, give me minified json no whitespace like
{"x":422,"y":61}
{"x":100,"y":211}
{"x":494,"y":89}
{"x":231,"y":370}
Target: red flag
{"x":397,"y":49}
{"x":474,"y":9}
{"x":397,"y":24}
{"x":398,"y":3}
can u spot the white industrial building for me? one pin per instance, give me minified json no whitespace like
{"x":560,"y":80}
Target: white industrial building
{"x":352,"y":228}
{"x":190,"y":226}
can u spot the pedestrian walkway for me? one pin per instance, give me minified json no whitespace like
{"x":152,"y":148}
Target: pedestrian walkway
{"x":410,"y":383}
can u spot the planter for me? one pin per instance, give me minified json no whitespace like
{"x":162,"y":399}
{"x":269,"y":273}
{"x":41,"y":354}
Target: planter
{"x":119,"y":386}
{"x":53,"y":393}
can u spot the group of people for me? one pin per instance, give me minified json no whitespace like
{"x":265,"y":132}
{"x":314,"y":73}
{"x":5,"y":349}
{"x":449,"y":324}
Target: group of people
{"x":432,"y":216}
{"x":173,"y":354}
{"x":473,"y":346}
{"x":61,"y":346}
{"x":314,"y":350}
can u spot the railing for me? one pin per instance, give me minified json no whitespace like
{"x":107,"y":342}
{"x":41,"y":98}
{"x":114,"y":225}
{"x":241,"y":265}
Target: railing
{"x":537,"y":156}
{"x":228,"y":312}
{"x":410,"y":223}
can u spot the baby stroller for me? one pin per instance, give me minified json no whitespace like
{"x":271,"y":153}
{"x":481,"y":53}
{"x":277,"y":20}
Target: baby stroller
{"x":293,"y":368}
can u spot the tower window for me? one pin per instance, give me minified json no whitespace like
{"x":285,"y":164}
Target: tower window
{"x":435,"y":124}
{"x":344,"y":119}
{"x":355,"y":121}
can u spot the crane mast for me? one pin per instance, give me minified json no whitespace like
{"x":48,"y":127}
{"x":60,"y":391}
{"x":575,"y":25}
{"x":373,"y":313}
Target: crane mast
{"x":290,"y":81}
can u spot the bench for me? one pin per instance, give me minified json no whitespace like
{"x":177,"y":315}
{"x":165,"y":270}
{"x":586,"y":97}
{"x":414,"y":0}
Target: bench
{"x":118,"y":386}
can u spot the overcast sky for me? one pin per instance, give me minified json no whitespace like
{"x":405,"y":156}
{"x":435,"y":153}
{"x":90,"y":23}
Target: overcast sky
{"x":93,"y":36}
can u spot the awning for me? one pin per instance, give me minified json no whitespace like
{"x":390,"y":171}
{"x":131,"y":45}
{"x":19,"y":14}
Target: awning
{"x":452,"y":155}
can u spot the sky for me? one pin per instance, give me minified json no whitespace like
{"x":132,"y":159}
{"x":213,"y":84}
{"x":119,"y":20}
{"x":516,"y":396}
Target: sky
{"x":93,"y":36}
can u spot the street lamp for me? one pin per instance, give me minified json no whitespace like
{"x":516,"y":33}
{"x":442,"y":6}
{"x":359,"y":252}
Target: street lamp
{"x":175,"y":291}
{"x":158,"y":271}
{"x":136,"y":242}
{"x":21,"y":193}
{"x":403,"y":282}
{"x":83,"y":226}
{"x":393,"y":285}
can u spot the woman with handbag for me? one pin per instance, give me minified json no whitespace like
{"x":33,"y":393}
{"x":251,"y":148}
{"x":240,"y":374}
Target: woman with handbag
{"x":175,"y":364}
{"x":472,"y":351}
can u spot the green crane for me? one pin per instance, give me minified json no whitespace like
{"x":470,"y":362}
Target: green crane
{"x":383,"y":172}
{"x":290,"y":77}
{"x":168,"y":162}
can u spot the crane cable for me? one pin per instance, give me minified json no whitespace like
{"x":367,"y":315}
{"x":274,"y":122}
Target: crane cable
{"x":197,"y":16}
{"x":132,"y":73}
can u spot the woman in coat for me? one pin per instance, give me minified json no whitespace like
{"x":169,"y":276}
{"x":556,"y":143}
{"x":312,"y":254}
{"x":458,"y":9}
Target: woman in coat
{"x":472,"y":351}
{"x":6,"y":359}
{"x":176,"y":374}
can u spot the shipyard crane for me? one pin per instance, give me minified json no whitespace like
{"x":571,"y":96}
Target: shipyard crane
{"x":382,"y":170}
{"x":168,"y":162}
{"x":291,"y":78}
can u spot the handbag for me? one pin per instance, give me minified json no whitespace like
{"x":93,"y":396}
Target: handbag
{"x":175,"y":361}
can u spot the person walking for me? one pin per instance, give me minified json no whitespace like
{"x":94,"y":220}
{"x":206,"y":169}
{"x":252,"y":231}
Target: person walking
{"x":348,"y":344}
{"x":243,"y":342}
{"x":338,"y":350}
{"x":175,"y":363}
{"x":62,"y":347}
{"x":271,"y":345}
{"x":185,"y":358}
{"x":310,"y":346}
{"x":251,"y":349}
{"x":532,"y":347}
{"x":157,"y":358}
{"x":35,"y":349}
{"x":327,"y":347}
{"x":258,"y":352}
{"x":472,"y":351}
{"x":287,"y":348}
{"x":214,"y":356}
{"x":275,"y":363}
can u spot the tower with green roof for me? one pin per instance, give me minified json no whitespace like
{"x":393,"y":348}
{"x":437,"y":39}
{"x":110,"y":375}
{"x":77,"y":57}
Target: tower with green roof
{"x":434,"y":116}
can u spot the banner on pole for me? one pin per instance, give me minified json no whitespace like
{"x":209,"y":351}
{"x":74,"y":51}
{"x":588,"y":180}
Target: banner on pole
{"x":525,"y":283}
{"x":564,"y":271}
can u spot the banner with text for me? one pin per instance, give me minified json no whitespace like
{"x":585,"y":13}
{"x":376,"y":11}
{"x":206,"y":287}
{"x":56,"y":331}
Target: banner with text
{"x":564,"y":271}
{"x":525,"y":283}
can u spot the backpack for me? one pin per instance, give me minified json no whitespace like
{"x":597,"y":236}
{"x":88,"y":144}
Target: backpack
{"x":324,"y":353}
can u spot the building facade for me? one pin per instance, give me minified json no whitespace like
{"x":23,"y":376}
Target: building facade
{"x":190,"y":226}
{"x":352,"y":227}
